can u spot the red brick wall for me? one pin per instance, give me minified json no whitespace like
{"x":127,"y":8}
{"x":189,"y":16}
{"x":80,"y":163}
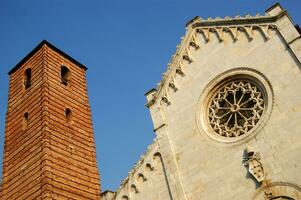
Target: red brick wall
{"x":51,"y":159}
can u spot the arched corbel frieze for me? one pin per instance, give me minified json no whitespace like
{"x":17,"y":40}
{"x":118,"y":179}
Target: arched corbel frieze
{"x":172,"y":85}
{"x":205,"y":33}
{"x":232,"y":31}
{"x":149,"y":167}
{"x":134,"y":189}
{"x":218,"y":32}
{"x":141,"y":177}
{"x":157,"y":157}
{"x":193,"y":43}
{"x":264,"y":31}
{"x":165,"y":99}
{"x":248,"y":31}
{"x":187,"y":57}
{"x":179,"y":69}
{"x":124,"y":197}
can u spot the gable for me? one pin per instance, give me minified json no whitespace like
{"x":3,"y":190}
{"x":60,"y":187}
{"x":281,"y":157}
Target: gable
{"x":241,"y":34}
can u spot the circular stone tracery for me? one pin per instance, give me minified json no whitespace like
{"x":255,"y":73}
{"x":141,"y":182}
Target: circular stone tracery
{"x":236,"y":108}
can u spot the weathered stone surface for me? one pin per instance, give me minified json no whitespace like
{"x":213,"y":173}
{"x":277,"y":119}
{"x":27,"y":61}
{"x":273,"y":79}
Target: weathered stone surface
{"x":200,"y":163}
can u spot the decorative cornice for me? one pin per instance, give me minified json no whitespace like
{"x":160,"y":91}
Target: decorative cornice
{"x":219,"y":27}
{"x":157,"y":128}
{"x":134,"y":171}
{"x":228,"y":21}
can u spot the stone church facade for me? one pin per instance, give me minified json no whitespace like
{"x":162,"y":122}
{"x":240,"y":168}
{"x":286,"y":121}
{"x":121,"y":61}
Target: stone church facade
{"x":226,"y":115}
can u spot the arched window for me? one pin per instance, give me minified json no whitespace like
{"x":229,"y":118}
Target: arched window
{"x":65,"y":75}
{"x":27,"y":78}
{"x":68,"y":114}
{"x":25,"y":121}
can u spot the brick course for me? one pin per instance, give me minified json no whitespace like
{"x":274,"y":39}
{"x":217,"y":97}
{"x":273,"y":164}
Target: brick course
{"x":51,"y":158}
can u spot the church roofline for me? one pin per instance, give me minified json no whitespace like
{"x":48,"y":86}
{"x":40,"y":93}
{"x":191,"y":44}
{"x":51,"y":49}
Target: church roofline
{"x":135,"y":169}
{"x":150,"y":91}
{"x":248,"y":19}
{"x":243,"y":20}
{"x":38,"y":47}
{"x":274,"y":6}
{"x":272,"y":15}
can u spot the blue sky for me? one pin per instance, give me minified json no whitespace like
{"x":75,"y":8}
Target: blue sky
{"x":126,"y":46}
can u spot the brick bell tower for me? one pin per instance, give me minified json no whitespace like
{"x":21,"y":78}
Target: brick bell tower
{"x":49,"y":150}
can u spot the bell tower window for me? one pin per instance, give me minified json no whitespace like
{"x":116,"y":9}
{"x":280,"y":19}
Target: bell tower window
{"x":25,"y":121}
{"x":68,"y":114}
{"x":27,"y":78}
{"x":65,"y":75}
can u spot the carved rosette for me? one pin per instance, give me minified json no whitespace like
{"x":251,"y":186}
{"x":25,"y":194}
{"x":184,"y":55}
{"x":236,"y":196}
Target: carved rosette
{"x":236,"y":108}
{"x":234,"y":105}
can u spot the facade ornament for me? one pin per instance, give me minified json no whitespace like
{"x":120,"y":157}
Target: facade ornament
{"x":272,"y":26}
{"x":247,"y":30}
{"x":268,"y":194}
{"x":134,"y":189}
{"x":179,"y":70}
{"x":187,"y":57}
{"x":149,"y":167}
{"x":173,"y":85}
{"x":193,"y":43}
{"x":264,"y":30}
{"x":205,"y":32}
{"x":255,"y":167}
{"x":165,"y":100}
{"x":233,"y":31}
{"x":218,"y":32}
{"x":142,"y":177}
{"x":236,"y":108}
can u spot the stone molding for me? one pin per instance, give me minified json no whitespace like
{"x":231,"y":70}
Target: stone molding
{"x":202,"y":107}
{"x":129,"y":185}
{"x":278,"y":189}
{"x":208,"y":28}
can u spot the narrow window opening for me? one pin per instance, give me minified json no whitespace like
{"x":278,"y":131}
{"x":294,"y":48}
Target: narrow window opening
{"x":27,"y":78}
{"x":25,"y":121}
{"x":65,"y":75}
{"x":68,"y":114}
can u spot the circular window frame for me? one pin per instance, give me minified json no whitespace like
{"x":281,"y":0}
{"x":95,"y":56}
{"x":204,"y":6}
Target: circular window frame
{"x":278,"y":189}
{"x":256,"y":78}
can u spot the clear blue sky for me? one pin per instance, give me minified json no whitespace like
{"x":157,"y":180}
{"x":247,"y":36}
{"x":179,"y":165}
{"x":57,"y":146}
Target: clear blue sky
{"x":126,"y":46}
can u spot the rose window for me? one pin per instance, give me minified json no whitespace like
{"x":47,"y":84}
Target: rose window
{"x":236,"y":108}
